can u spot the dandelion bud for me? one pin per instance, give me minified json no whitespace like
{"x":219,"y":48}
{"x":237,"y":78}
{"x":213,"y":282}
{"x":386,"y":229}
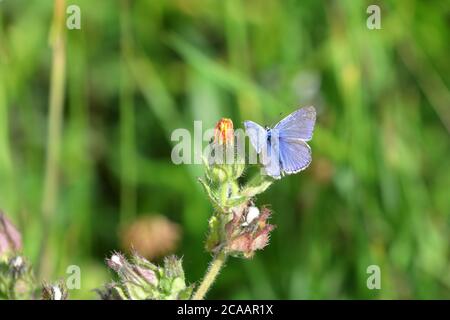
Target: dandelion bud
{"x":222,"y":161}
{"x":224,"y":132}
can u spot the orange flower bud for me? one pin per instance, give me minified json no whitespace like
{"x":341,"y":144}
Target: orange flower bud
{"x":224,"y":132}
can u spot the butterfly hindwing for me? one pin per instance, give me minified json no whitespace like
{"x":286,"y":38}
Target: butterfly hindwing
{"x":295,"y":155}
{"x":271,"y":158}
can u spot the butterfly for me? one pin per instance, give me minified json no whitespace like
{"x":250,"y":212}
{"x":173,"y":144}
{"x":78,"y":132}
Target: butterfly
{"x":283,"y":148}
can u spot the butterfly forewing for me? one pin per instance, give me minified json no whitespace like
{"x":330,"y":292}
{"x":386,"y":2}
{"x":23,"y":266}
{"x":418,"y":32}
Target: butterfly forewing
{"x":298,"y":125}
{"x":257,"y":135}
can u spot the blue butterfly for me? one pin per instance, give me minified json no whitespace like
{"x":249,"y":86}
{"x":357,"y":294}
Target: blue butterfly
{"x":283,"y":148}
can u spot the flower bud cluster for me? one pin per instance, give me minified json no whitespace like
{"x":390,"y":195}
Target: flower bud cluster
{"x":139,"y":279}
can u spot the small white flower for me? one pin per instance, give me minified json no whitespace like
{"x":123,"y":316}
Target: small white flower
{"x":116,"y":259}
{"x":17,"y":262}
{"x":252,"y":214}
{"x":57,"y":294}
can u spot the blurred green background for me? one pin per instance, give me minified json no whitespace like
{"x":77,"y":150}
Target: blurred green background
{"x":377,"y":191}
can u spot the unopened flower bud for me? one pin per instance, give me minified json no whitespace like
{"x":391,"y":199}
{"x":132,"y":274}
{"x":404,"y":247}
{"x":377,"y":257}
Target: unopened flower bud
{"x":141,"y":280}
{"x":17,"y":266}
{"x":148,"y":275}
{"x":10,"y":238}
{"x":222,"y":162}
{"x":224,"y":132}
{"x":57,"y":291}
{"x":173,"y":267}
{"x":116,"y":262}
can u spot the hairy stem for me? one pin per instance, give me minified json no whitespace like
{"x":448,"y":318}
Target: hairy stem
{"x":214,"y":268}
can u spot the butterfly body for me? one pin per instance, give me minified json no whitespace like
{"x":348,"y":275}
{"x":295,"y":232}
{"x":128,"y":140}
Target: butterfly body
{"x":283,"y":148}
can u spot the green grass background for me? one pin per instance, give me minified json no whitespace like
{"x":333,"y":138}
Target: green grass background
{"x":378,"y":188}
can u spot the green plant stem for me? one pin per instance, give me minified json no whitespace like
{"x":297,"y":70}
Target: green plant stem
{"x":214,"y":268}
{"x":56,"y":103}
{"x":127,"y":122}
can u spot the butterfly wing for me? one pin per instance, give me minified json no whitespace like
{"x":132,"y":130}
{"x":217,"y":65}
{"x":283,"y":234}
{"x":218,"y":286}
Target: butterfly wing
{"x":257,"y":135}
{"x":269,"y":153}
{"x":271,"y":160}
{"x":295,"y":155}
{"x":286,"y":152}
{"x":297,"y":125}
